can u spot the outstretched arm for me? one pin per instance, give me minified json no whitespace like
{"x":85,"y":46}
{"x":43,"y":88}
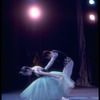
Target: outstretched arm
{"x":38,"y":71}
{"x":52,"y":60}
{"x":48,"y":74}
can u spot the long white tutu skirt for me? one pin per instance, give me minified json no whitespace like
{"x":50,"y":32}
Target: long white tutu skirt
{"x":48,"y":88}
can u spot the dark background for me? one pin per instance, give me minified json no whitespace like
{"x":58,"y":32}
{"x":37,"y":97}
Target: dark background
{"x":57,"y":29}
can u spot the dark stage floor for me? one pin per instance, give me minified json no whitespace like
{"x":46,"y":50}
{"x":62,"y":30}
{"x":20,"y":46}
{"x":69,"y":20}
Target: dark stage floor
{"x":76,"y":94}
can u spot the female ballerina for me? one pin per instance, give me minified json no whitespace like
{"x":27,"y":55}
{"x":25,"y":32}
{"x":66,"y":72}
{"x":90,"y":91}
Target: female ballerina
{"x":49,"y":86}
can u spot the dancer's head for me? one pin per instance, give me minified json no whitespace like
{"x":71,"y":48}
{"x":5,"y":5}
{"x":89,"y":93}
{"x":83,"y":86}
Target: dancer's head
{"x":25,"y":70}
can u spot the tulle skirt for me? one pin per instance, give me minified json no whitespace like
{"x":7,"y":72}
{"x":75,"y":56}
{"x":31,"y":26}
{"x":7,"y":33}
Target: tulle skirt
{"x":48,"y":88}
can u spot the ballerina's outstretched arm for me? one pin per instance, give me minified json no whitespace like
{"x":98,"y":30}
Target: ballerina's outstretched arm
{"x":38,"y":71}
{"x":53,"y":56}
{"x":49,"y":74}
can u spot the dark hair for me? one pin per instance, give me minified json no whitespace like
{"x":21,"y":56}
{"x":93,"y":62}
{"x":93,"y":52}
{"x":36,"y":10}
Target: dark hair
{"x":24,"y":70}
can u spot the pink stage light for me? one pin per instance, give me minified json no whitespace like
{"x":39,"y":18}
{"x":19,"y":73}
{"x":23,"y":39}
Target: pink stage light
{"x":34,"y":12}
{"x":92,"y":17}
